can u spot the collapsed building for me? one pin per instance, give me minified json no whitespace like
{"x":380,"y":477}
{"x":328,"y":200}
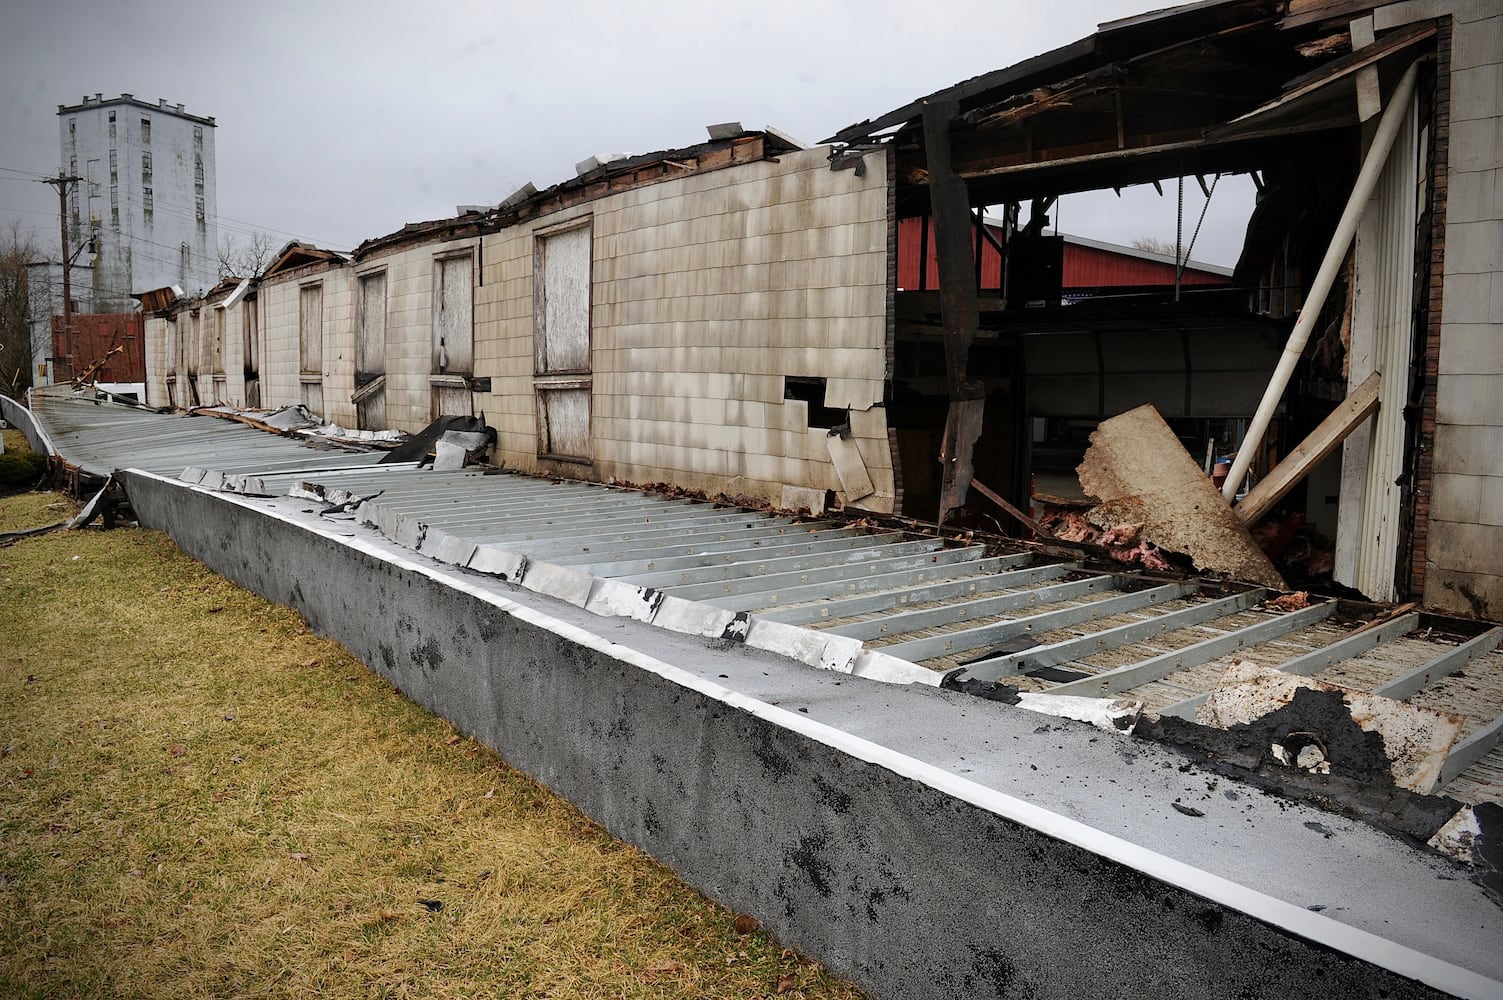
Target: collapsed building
{"x":705,"y":316}
{"x":758,"y":321}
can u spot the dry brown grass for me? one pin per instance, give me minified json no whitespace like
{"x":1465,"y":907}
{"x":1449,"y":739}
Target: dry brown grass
{"x":198,"y":797}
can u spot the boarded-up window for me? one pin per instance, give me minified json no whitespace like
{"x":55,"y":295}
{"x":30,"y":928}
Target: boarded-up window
{"x":564,"y":415}
{"x":310,"y":313}
{"x":453,"y":312}
{"x":561,"y":301}
{"x":450,"y":396}
{"x":561,"y":322}
{"x":370,"y":328}
{"x":370,"y":353}
{"x":218,"y":345}
{"x":370,"y":406}
{"x":190,"y":342}
{"x":251,"y":328}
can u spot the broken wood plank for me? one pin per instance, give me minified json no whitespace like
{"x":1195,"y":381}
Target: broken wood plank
{"x":849,"y":466}
{"x":962,"y":428}
{"x":1334,"y":429}
{"x":997,"y":499}
{"x":953,"y":243}
{"x":1369,"y":92}
{"x":1140,"y":474}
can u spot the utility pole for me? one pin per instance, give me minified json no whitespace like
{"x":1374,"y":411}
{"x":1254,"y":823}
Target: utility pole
{"x":64,"y":183}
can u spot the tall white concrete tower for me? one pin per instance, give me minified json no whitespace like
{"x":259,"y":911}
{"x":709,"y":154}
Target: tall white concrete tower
{"x":146,"y":199}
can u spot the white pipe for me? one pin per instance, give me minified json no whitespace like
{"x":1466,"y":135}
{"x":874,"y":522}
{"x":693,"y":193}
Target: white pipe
{"x":1346,"y":229}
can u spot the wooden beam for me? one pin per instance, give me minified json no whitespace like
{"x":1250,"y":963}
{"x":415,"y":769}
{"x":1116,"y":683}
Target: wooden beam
{"x":954,"y":252}
{"x":1303,"y":12}
{"x":953,"y":244}
{"x":1333,"y":430}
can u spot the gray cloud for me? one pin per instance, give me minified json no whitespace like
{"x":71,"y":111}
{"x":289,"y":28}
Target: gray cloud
{"x":340,"y":121}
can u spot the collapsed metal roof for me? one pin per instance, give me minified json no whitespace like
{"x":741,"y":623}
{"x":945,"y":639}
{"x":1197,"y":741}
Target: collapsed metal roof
{"x":597,"y":177}
{"x":883,"y":601}
{"x":873,"y":598}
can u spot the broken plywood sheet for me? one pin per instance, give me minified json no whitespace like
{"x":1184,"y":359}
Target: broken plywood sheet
{"x":1301,"y":712}
{"x":854,"y":479}
{"x":1140,"y":473}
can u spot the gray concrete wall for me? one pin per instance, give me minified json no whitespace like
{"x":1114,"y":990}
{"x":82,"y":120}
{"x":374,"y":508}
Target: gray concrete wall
{"x":907,"y":889}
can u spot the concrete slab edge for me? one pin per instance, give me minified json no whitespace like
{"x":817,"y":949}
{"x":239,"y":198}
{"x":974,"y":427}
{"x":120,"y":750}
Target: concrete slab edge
{"x":1288,"y":917}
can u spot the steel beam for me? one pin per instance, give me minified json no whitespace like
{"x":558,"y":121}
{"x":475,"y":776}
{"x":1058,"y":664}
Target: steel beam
{"x":830,"y":610}
{"x":949,"y":614}
{"x":981,"y":636}
{"x":1406,"y":685}
{"x":831,"y":574}
{"x":733,"y":552}
{"x":1311,"y":663}
{"x":764,"y":568}
{"x":772,"y":597}
{"x":1470,"y":750}
{"x":1156,"y":668}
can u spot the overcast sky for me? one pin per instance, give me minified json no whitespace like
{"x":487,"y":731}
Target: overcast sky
{"x":340,"y":121}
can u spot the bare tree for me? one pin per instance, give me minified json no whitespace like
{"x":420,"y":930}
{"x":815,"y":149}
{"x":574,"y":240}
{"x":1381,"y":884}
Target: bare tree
{"x":18,"y":248}
{"x":247,"y":257}
{"x":1152,"y":244}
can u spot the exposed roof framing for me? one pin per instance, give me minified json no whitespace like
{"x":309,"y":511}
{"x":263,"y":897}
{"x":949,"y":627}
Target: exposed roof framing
{"x":610,"y":177}
{"x":296,"y":255}
{"x":1205,"y":88}
{"x":1129,"y":34}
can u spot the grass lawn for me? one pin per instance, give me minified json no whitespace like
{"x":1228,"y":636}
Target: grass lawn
{"x":199,"y":797}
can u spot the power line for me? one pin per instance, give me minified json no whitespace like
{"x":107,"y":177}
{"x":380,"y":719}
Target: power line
{"x":234,"y":225}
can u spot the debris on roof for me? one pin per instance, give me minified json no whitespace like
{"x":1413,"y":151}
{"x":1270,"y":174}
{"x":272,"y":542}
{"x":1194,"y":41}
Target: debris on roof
{"x":1316,"y":725}
{"x":1141,"y":475}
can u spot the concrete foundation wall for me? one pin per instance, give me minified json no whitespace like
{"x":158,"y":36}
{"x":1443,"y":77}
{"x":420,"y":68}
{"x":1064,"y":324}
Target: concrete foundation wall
{"x":898,"y":883}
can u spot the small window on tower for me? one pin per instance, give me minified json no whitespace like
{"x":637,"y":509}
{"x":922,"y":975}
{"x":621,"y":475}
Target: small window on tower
{"x":198,"y":209}
{"x":147,"y":203}
{"x":145,"y":129}
{"x":112,"y":117}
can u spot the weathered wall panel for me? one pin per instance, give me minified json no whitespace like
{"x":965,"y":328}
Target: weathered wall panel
{"x":453,"y":314}
{"x":706,"y":292}
{"x":288,"y":364}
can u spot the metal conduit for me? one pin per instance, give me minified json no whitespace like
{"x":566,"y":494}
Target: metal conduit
{"x":1346,"y":230}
